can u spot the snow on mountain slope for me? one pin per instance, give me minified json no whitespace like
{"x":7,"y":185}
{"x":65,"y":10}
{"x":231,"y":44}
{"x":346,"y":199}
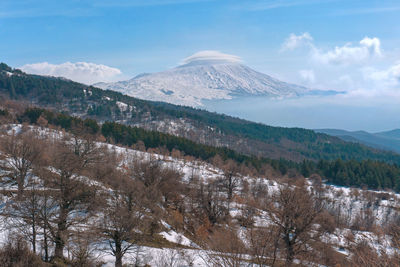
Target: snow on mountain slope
{"x":204,"y":75}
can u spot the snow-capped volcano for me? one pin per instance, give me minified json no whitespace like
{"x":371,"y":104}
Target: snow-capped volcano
{"x":204,"y":75}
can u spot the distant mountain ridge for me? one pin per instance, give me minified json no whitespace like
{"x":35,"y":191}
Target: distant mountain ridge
{"x":206,"y":79}
{"x":394,"y":134}
{"x":388,"y":140}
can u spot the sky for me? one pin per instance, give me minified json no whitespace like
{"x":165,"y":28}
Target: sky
{"x":344,"y":45}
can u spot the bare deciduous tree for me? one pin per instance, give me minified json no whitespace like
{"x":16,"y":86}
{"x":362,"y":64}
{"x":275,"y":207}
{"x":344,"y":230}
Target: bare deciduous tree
{"x":294,"y":211}
{"x":71,"y":196}
{"x":158,"y":180}
{"x":264,"y":245}
{"x":224,"y":248}
{"x":22,"y":150}
{"x":231,"y":179}
{"x":123,"y":220}
{"x":23,"y":213}
{"x":212,"y":201}
{"x":81,"y":248}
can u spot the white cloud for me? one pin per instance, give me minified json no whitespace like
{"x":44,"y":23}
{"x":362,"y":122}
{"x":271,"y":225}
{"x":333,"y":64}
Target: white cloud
{"x":389,"y":77}
{"x":208,"y":55}
{"x":346,"y":82}
{"x":294,"y":41}
{"x":368,"y":48}
{"x":373,"y":45}
{"x":307,"y":75}
{"x":83,"y":72}
{"x":361,"y":69}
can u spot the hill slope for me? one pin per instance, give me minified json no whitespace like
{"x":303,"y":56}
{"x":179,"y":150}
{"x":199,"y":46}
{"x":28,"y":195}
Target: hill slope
{"x":161,"y":189}
{"x":197,"y":125}
{"x":395,"y":134}
{"x":389,"y":140}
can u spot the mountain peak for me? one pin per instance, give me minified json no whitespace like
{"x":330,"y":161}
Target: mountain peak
{"x":205,"y":75}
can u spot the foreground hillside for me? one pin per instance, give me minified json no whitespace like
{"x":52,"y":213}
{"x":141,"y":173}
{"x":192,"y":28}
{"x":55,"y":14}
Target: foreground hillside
{"x":78,"y":201}
{"x":200,"y":126}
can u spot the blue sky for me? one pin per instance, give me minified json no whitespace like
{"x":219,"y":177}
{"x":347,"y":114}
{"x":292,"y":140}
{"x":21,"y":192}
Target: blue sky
{"x":351,"y":45}
{"x":151,"y":35}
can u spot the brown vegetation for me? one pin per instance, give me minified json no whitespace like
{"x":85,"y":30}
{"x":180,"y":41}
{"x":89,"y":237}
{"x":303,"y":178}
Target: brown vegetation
{"x":74,"y":195}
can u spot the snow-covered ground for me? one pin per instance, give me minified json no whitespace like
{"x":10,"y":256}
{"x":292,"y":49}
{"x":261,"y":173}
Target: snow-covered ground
{"x":349,"y":200}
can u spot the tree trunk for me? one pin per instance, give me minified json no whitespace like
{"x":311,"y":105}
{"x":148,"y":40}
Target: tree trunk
{"x":230,"y":193}
{"x":289,"y":256}
{"x":60,"y":236}
{"x":118,"y":254}
{"x":21,"y":184}
{"x":230,"y":189}
{"x":44,"y":221}
{"x":289,"y":251}
{"x":46,"y":246}
{"x":276,"y":244}
{"x":59,"y":249}
{"x":34,"y":237}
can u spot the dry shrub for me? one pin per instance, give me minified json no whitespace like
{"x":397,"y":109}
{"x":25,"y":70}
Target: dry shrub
{"x":17,"y":254}
{"x":327,"y":222}
{"x":224,"y":248}
{"x":364,"y":256}
{"x":177,"y":219}
{"x":203,"y":230}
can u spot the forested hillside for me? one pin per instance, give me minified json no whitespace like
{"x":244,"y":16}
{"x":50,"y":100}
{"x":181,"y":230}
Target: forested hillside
{"x":365,"y":173}
{"x":200,"y":126}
